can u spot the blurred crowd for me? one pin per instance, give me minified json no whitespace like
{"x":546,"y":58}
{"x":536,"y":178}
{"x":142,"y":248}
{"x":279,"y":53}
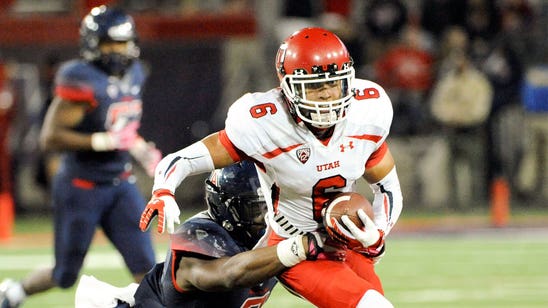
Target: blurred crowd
{"x":464,"y":77}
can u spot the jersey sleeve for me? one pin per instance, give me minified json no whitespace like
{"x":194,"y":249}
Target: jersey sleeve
{"x":73,"y":83}
{"x":372,"y":110}
{"x":243,"y":127}
{"x":377,"y":156}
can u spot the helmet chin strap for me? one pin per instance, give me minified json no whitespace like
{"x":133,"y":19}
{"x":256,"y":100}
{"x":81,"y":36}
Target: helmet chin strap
{"x":323,"y":117}
{"x":320,"y":132}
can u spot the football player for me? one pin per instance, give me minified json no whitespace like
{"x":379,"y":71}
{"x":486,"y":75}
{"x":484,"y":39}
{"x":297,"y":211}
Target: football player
{"x":93,"y":121}
{"x":312,"y":137}
{"x":210,"y":263}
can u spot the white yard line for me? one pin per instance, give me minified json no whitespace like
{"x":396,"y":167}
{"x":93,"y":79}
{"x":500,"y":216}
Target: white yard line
{"x":94,"y":260}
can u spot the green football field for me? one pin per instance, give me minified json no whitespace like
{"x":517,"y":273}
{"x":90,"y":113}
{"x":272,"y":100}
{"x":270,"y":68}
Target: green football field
{"x":446,"y":267}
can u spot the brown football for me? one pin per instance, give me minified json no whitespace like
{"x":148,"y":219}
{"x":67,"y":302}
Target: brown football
{"x":347,"y":203}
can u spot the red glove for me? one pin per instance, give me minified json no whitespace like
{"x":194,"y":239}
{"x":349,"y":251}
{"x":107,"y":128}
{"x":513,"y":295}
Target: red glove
{"x":162,"y":204}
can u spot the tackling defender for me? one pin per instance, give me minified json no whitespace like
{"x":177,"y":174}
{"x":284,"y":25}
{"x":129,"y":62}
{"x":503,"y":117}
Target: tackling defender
{"x":210,"y":263}
{"x":312,"y":137}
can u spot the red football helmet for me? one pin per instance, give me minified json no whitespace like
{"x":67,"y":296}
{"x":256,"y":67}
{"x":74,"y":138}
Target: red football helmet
{"x":309,"y":59}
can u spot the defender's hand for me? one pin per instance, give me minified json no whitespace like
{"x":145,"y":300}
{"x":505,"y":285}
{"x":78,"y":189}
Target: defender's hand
{"x":322,"y":247}
{"x":162,"y":204}
{"x":146,"y":154}
{"x":125,"y":137}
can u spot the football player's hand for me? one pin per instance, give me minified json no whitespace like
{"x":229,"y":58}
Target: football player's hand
{"x":368,"y":240}
{"x":146,"y":154}
{"x":122,"y":138}
{"x":163,"y":205}
{"x":125,"y":137}
{"x":309,"y":246}
{"x":322,"y":247}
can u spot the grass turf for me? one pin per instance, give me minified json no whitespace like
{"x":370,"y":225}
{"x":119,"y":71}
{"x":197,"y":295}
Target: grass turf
{"x":482,"y":267}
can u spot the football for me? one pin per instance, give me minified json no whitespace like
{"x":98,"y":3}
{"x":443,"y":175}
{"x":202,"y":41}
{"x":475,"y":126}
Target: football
{"x":347,"y":203}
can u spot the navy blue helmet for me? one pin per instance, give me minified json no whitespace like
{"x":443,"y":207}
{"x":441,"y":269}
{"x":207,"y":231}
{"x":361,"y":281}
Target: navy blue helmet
{"x":104,"y":24}
{"x":235,"y":201}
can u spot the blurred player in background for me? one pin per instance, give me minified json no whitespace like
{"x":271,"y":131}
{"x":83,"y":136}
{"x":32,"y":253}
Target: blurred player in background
{"x":93,"y":122}
{"x":312,"y":137}
{"x":210,"y":263}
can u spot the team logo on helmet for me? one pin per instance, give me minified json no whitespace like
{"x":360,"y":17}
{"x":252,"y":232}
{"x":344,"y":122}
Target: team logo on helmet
{"x":303,"y":155}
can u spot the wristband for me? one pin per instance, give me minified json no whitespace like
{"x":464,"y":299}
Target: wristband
{"x":291,"y":251}
{"x":162,"y":192}
{"x":101,"y":142}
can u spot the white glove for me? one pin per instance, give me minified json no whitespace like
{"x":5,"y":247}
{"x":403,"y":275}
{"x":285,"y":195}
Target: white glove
{"x":146,"y":154}
{"x":370,"y":238}
{"x":162,"y":204}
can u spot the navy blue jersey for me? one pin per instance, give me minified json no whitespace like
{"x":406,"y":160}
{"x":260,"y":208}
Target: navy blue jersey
{"x":110,"y":99}
{"x":198,"y":237}
{"x":92,"y":189}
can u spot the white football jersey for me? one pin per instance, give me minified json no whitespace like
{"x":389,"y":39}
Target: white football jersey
{"x":298,"y":171}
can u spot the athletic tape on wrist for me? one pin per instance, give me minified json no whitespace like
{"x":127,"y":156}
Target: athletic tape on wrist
{"x":101,"y":142}
{"x":291,"y":251}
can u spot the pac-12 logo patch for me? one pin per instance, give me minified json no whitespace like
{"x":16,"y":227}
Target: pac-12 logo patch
{"x":303,"y":154}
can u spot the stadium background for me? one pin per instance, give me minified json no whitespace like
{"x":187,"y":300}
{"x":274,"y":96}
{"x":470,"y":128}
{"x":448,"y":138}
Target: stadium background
{"x":188,"y":45}
{"x":187,"y":53}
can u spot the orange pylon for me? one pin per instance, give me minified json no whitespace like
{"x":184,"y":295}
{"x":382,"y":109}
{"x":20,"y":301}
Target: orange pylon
{"x":500,"y":202}
{"x":7,"y":215}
